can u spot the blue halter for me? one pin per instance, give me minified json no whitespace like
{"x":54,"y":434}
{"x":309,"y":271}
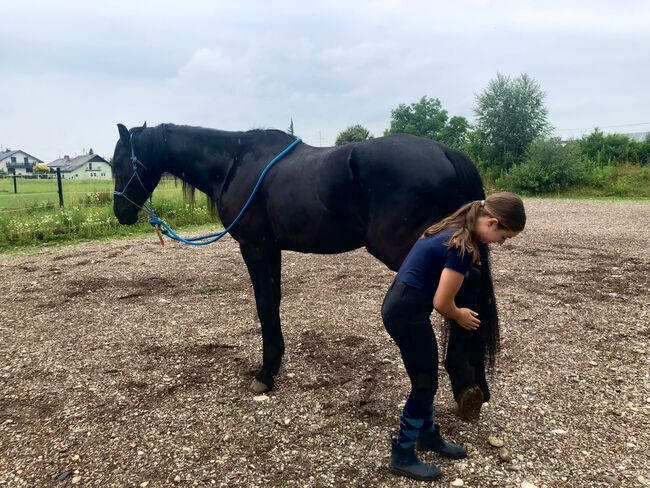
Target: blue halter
{"x":162,"y":227}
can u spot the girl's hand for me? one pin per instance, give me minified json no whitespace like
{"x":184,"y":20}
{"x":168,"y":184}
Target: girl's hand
{"x":467,"y":319}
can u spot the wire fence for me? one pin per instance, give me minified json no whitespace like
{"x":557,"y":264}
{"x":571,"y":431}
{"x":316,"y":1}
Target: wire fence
{"x":38,"y":211}
{"x":20,"y":193}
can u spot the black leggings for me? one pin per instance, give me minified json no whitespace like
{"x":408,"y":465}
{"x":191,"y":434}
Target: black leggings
{"x":406,"y":314}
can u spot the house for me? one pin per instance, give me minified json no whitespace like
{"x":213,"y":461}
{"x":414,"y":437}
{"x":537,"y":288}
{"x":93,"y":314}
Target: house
{"x":638,"y":136}
{"x":18,"y":161}
{"x":85,"y":167}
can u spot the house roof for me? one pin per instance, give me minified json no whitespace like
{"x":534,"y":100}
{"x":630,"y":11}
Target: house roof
{"x":68,"y":164}
{"x":6,"y":154}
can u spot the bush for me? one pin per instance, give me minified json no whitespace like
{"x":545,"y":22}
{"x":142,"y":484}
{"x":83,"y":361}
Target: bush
{"x":550,"y":166}
{"x":607,"y":149}
{"x":624,"y":180}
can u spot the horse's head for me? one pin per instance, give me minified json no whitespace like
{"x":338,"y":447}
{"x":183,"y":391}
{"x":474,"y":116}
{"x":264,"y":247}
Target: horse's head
{"x":136,"y":168}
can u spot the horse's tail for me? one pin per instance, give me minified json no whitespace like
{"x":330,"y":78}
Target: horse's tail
{"x":471,"y":188}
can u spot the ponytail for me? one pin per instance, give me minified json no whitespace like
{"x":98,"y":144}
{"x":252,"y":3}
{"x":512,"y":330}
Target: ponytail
{"x":464,"y":219}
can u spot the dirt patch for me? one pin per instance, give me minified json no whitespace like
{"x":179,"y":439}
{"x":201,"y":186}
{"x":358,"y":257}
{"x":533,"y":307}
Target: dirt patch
{"x":124,"y":363}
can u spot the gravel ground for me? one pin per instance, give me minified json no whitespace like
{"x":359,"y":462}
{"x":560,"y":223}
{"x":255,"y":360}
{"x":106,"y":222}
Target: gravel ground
{"x":126,"y":364}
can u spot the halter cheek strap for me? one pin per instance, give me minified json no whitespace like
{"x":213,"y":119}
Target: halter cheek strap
{"x":135,"y":162}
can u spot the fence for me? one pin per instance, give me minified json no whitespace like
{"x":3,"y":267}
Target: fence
{"x":32,"y":211}
{"x":14,"y":177}
{"x":19,"y":193}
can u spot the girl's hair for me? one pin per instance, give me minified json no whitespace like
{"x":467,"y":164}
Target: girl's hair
{"x":506,"y":207}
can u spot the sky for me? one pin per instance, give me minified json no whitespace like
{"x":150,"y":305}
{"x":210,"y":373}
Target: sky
{"x":72,"y":70}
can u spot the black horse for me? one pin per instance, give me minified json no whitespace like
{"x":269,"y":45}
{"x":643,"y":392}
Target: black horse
{"x":380,"y":193}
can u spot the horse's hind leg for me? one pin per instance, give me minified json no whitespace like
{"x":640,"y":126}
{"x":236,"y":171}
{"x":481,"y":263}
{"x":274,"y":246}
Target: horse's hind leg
{"x":264,"y":266}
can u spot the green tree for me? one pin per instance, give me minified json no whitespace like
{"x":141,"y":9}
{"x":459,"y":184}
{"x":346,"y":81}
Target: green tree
{"x":427,"y":118}
{"x":510,"y":115}
{"x":41,"y":168}
{"x":353,"y":133}
{"x":456,"y":132}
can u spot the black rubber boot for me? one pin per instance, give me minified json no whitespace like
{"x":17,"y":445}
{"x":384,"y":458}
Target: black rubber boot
{"x":403,"y":461}
{"x":433,"y":441}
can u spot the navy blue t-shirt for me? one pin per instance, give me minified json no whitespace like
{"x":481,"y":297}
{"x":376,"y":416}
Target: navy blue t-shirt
{"x":428,"y":257}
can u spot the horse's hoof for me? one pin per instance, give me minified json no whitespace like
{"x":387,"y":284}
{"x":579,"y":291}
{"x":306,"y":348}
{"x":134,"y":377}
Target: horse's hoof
{"x":470,"y":401}
{"x":259,"y":387}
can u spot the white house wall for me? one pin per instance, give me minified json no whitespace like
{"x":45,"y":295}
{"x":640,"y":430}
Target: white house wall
{"x":20,"y":159}
{"x":99,"y":171}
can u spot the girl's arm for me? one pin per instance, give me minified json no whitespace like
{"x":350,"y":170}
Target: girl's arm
{"x":443,"y":300}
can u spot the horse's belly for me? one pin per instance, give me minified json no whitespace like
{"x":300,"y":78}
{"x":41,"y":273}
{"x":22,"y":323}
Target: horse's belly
{"x":322,"y":238}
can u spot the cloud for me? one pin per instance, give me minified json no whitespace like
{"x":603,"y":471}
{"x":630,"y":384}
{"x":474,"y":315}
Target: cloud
{"x":240,"y":65}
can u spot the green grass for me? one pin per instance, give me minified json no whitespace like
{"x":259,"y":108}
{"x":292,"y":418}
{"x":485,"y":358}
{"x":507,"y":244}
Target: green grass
{"x":44,"y":192}
{"x":32,"y":218}
{"x":623,"y":181}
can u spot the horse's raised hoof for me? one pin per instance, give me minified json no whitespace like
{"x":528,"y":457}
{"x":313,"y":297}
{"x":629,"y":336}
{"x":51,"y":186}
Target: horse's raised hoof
{"x":259,"y":387}
{"x":470,"y":401}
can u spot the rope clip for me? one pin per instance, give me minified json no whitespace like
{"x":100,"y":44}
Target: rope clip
{"x":159,"y":234}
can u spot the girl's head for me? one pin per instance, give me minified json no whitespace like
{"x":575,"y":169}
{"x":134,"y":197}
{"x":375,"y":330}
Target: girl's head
{"x":499,"y":217}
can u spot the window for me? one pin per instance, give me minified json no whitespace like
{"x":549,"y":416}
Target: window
{"x":25,"y":160}
{"x":13,"y":159}
{"x":90,"y":166}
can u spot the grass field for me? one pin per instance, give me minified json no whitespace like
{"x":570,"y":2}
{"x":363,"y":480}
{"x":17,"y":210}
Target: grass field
{"x":43,"y":193}
{"x":32,"y":216}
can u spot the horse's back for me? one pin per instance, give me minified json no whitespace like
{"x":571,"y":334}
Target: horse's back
{"x":409,"y":182}
{"x":379,"y":193}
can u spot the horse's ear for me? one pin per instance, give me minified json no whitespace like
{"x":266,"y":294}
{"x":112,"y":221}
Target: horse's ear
{"x":125,"y":137}
{"x":144,"y":126}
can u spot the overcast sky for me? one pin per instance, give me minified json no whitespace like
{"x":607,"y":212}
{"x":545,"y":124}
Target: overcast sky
{"x":72,"y":70}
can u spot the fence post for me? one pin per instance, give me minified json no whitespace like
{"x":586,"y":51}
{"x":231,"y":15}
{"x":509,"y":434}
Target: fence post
{"x":15,"y":187}
{"x":58,"y":181}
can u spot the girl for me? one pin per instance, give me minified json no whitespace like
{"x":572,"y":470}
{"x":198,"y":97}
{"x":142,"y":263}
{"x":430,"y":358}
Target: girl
{"x":429,"y":278}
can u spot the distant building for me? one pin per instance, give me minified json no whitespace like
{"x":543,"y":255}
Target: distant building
{"x":86,"y":167}
{"x":638,"y":136}
{"x":18,"y":161}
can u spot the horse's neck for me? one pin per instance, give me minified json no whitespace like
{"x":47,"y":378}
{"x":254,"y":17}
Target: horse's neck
{"x":202,"y":159}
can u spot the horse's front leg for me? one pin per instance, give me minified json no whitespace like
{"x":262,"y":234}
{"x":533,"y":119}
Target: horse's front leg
{"x":264,"y":266}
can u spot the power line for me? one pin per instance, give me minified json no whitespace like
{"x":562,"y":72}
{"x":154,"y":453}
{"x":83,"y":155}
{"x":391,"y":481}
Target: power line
{"x":604,"y":127}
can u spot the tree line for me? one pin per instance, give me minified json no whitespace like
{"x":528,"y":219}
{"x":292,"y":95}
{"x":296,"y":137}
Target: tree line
{"x":511,"y":144}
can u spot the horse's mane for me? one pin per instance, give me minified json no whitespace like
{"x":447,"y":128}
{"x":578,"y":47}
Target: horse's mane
{"x":155,"y":138}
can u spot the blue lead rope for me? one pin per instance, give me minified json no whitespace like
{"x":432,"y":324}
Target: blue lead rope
{"x":162,"y":227}
{"x":160,"y":224}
